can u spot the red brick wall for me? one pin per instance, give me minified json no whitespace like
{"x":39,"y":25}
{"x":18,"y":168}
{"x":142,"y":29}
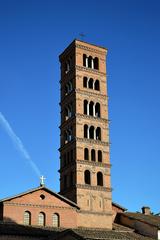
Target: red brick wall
{"x":14,"y":210}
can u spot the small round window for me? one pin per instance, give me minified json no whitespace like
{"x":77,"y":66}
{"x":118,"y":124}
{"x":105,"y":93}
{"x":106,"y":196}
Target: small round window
{"x":42,"y":197}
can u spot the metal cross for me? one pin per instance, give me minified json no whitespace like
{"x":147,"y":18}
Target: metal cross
{"x":42,"y":178}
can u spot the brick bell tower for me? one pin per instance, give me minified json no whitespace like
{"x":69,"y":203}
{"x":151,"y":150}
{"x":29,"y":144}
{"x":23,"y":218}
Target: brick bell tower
{"x":84,"y":148}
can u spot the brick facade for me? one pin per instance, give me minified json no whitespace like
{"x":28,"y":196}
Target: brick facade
{"x":87,"y":103}
{"x":14,"y":208}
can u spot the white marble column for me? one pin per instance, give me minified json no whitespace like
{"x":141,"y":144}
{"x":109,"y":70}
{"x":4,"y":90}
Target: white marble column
{"x":92,"y":64}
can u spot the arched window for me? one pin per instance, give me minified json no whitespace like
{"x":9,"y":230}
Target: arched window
{"x":90,"y":83}
{"x":99,"y":156}
{"x":91,"y":132}
{"x":91,"y":106}
{"x":85,"y":106}
{"x":55,"y":220}
{"x":86,"y":154}
{"x":41,"y":219}
{"x":84,"y":60}
{"x":87,"y":177}
{"x":27,"y":218}
{"x":98,"y":133}
{"x":96,"y":63}
{"x":93,"y":155}
{"x":96,"y":85}
{"x":85,"y":131}
{"x":85,"y":82}
{"x":99,"y":179}
{"x":97,"y":110}
{"x":90,"y":62}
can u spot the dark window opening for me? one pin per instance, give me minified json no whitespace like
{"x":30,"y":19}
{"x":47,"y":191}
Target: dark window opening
{"x":96,"y":85}
{"x":96,"y":63}
{"x":85,"y":105}
{"x":93,"y":155}
{"x":98,"y":133}
{"x":90,"y":62}
{"x":87,"y":177}
{"x":99,"y":156}
{"x":99,"y":179}
{"x":90,"y":83}
{"x":91,"y":132}
{"x":91,"y":105}
{"x":84,"y":60}
{"x":86,"y":154}
{"x":85,"y":131}
{"x":85,"y":82}
{"x":97,"y":110}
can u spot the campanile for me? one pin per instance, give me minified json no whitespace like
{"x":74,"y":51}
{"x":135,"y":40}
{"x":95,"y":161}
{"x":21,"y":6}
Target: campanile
{"x":84,"y":130}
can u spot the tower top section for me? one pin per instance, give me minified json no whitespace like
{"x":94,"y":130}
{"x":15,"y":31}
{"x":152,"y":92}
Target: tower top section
{"x":84,"y":45}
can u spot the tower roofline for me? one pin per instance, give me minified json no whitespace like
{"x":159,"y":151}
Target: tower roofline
{"x":73,"y":43}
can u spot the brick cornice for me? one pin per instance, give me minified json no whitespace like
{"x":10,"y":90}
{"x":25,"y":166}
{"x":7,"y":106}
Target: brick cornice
{"x":90,"y":70}
{"x":89,"y":93}
{"x":84,"y":47}
{"x":92,"y":141}
{"x":96,"y":213}
{"x":97,"y":188}
{"x":98,"y":164}
{"x":35,"y":205}
{"x":85,"y":162}
{"x":96,"y":119}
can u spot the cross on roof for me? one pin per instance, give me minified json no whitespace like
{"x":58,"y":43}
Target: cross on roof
{"x":42,"y":178}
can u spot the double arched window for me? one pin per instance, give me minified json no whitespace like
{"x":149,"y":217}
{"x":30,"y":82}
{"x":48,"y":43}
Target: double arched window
{"x":27,"y":218}
{"x":92,"y":132}
{"x":41,"y":219}
{"x":91,"y":108}
{"x":90,"y":83}
{"x":55,"y":220}
{"x":87,"y":178}
{"x":90,"y":62}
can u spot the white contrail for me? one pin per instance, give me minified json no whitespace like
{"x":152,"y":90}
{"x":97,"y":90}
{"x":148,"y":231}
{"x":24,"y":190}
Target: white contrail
{"x":18,"y":143}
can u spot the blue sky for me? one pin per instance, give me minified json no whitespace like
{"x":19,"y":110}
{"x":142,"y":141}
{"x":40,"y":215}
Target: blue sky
{"x":32,"y":35}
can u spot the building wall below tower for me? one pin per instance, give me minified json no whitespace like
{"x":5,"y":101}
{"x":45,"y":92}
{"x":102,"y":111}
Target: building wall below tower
{"x":94,"y":220}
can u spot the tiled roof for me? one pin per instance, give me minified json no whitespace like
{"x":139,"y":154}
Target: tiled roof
{"x":22,"y":230}
{"x":119,"y":206}
{"x":122,"y":228}
{"x":102,"y":234}
{"x":57,"y":233}
{"x":149,"y":219}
